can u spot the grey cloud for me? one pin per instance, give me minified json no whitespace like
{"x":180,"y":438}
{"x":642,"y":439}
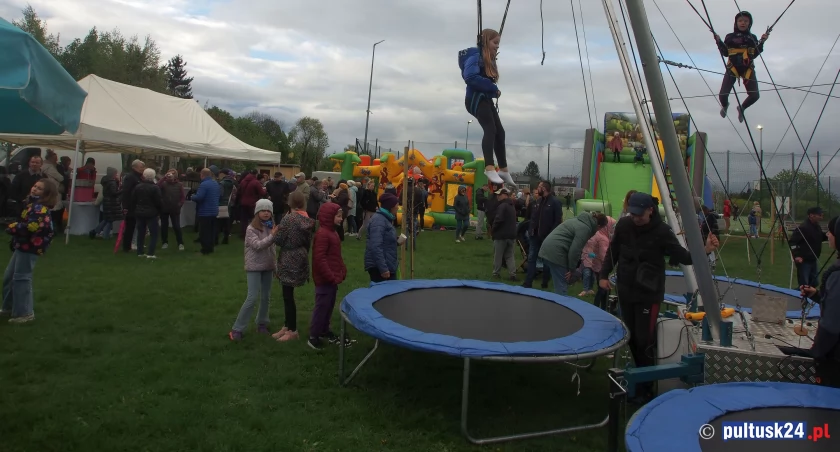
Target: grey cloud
{"x":417,"y":90}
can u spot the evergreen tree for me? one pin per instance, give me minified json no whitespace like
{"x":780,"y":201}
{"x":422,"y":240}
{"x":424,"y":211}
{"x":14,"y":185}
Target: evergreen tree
{"x":179,"y":84}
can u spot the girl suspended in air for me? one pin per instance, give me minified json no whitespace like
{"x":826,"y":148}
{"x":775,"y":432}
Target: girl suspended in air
{"x":742,"y":48}
{"x":479,"y":70}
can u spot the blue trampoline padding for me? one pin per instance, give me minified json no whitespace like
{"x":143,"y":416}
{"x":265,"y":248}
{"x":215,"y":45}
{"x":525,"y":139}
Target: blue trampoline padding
{"x":672,"y":421}
{"x":813,"y":314}
{"x":600,"y":330}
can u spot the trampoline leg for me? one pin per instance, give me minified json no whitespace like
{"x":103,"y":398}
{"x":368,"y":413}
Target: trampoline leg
{"x":465,"y":402}
{"x":341,"y":348}
{"x":617,"y":396}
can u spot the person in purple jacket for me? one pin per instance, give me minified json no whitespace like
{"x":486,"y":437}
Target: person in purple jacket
{"x":480,"y":73}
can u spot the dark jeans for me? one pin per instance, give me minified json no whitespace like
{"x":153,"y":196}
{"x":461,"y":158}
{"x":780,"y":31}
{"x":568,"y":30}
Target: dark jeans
{"x":351,"y":224}
{"x":322,"y":313}
{"x":533,"y":255}
{"x":289,"y":307}
{"x":375,"y":276}
{"x":142,"y":224}
{"x":494,"y":133}
{"x":641,"y":319}
{"x":751,"y":85}
{"x":128,"y":233}
{"x":246,"y":214}
{"x":602,"y":297}
{"x":807,"y":273}
{"x":57,"y":217}
{"x":223,"y":226}
{"x":165,"y":218}
{"x":205,"y":234}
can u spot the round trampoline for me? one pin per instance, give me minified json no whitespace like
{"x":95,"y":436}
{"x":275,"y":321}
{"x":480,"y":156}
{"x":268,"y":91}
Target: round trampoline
{"x":481,"y":320}
{"x":712,"y":418}
{"x":740,"y":292}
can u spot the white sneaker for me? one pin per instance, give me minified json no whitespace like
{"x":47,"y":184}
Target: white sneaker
{"x":141,"y":255}
{"x":505,"y":175}
{"x":723,"y":111}
{"x":164,"y":246}
{"x":457,"y":240}
{"x":493,"y":176}
{"x":151,"y":256}
{"x":180,"y":247}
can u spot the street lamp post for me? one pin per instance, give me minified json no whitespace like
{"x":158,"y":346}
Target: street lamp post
{"x":370,"y":86}
{"x":467,"y":145}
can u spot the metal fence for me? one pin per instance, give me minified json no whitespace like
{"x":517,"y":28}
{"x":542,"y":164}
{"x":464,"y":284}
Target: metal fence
{"x":735,"y":173}
{"x":553,"y":161}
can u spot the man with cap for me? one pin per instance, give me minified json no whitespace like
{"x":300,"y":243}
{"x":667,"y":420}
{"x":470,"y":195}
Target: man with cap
{"x":303,"y":186}
{"x":639,"y":245}
{"x":806,"y":246}
{"x":504,"y":234}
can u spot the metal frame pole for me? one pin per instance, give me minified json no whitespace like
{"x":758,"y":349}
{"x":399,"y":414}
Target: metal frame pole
{"x":671,"y":143}
{"x":652,"y":148}
{"x":370,"y":87}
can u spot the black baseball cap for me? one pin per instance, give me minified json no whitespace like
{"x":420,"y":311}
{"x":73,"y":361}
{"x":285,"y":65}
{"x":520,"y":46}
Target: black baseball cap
{"x":639,"y":202}
{"x":815,"y":211}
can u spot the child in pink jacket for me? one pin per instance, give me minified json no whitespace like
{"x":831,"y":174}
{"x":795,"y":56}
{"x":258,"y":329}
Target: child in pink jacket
{"x":593,"y":255}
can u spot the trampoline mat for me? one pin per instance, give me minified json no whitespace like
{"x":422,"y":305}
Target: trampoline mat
{"x":737,"y":294}
{"x":480,"y":314}
{"x":812,"y":417}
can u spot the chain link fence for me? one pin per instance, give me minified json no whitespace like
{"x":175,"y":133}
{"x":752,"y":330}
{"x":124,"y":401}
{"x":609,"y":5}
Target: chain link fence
{"x":553,"y":161}
{"x":734,"y":175}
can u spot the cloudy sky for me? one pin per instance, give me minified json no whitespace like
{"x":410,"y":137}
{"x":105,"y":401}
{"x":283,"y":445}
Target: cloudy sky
{"x":294,"y":58}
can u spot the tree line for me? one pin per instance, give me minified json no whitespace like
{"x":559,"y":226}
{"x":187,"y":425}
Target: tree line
{"x":128,"y":60}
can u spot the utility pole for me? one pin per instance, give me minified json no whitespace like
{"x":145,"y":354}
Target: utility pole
{"x":671,"y":143}
{"x":370,"y":87}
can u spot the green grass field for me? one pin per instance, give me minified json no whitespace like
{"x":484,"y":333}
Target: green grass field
{"x":133,"y":355}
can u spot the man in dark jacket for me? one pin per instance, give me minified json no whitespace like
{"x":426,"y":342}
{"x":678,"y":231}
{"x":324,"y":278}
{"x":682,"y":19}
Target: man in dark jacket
{"x":368,"y":204}
{"x":826,"y":347}
{"x":146,"y":203}
{"x":480,"y":202}
{"x":806,"y":246}
{"x":24,"y":180}
{"x":134,"y":176}
{"x":639,"y":246}
{"x":504,"y":234}
{"x":278,"y":191}
{"x":545,"y":216}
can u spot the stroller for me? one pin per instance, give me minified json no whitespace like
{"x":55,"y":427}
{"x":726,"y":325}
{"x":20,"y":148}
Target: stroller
{"x":524,"y":245}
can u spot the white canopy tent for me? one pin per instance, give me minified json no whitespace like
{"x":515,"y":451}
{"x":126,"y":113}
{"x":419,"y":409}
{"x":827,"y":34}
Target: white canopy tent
{"x":126,"y":119}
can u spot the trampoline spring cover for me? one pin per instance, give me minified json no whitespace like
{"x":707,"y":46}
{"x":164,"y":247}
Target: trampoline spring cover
{"x":597,"y":331}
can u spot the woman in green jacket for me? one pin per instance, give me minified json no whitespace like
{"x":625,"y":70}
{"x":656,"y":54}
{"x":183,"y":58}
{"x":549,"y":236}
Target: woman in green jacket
{"x":560,"y":251}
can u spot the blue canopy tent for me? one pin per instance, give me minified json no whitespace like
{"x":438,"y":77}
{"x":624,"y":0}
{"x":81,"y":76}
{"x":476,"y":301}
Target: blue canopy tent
{"x":37,"y":96}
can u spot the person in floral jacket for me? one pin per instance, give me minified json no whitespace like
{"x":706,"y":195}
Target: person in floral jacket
{"x":31,"y":236}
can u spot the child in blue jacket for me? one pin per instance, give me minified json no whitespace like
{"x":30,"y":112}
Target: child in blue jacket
{"x":479,"y":71}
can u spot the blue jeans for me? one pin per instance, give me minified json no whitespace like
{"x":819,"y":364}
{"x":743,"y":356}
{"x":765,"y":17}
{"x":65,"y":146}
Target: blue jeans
{"x":259,"y":283}
{"x":461,"y":227}
{"x":753,"y":230}
{"x":558,"y":277}
{"x":588,"y":278}
{"x":17,"y":284}
{"x":534,"y":244}
{"x":154,"y":228}
{"x":807,"y":273}
{"x":104,"y":227}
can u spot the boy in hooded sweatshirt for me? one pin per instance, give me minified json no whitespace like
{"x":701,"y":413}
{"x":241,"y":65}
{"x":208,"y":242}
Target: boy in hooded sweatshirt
{"x":741,"y":47}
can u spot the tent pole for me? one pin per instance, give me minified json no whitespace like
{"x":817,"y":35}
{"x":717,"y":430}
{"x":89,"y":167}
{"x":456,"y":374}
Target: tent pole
{"x":72,"y":193}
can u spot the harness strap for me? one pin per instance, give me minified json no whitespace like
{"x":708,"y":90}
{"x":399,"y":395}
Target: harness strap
{"x":746,"y":54}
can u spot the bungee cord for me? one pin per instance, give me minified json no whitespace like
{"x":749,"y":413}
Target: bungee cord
{"x":580,"y":57}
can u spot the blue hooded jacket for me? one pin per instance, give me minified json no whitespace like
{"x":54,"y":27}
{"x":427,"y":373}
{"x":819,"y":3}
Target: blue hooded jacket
{"x":472,"y":71}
